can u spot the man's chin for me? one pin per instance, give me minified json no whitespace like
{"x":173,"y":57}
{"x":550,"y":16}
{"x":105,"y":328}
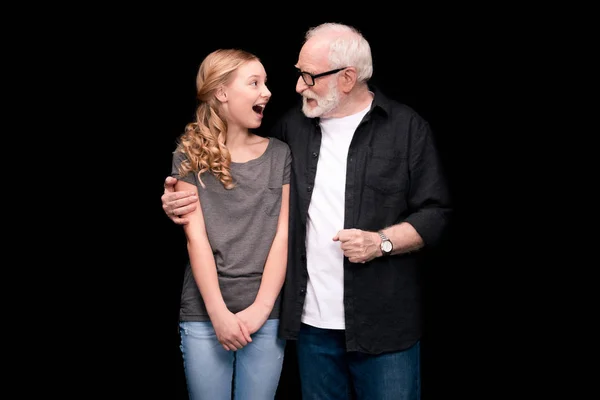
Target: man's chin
{"x":310,"y":112}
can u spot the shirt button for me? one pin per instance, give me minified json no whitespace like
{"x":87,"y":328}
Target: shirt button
{"x":302,"y":290}
{"x":308,"y":189}
{"x":314,"y":155}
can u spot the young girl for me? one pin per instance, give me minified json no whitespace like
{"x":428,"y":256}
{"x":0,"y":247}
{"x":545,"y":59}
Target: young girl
{"x":236,"y":238}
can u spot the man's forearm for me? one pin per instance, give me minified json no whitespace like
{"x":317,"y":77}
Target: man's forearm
{"x":404,"y":237}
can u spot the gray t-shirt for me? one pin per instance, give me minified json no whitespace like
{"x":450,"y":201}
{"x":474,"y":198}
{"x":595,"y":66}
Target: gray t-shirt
{"x":241,"y":224}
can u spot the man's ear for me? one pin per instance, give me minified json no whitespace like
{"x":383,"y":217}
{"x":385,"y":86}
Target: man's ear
{"x":348,"y":77}
{"x":221,"y":94}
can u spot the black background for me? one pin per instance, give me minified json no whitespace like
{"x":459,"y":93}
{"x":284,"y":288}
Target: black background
{"x":436,"y":66}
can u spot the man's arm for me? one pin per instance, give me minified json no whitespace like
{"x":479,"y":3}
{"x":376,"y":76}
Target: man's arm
{"x":178,"y":204}
{"x":428,"y":196}
{"x":362,"y":246}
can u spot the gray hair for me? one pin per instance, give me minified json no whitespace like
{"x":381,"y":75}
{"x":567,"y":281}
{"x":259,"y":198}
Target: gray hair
{"x":347,"y":48}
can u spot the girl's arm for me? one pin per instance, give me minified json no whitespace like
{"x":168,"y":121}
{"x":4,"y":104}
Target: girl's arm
{"x":274,"y":273}
{"x":230,"y":332}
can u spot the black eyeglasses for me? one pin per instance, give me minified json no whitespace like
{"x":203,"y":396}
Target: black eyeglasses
{"x":309,"y":78}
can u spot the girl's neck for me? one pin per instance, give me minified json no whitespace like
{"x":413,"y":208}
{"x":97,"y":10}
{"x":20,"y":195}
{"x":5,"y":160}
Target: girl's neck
{"x":238,"y":138}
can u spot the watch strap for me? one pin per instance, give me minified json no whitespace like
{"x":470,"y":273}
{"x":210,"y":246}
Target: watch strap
{"x":384,"y":238}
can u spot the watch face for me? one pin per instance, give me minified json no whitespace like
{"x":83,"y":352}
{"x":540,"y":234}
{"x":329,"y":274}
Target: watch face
{"x":386,"y":246}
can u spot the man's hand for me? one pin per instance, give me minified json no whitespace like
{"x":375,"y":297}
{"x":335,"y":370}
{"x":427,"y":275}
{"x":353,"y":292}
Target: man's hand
{"x":359,"y":246}
{"x":177,"y":204}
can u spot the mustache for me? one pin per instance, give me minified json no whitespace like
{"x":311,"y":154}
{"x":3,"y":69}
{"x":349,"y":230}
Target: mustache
{"x":309,"y":95}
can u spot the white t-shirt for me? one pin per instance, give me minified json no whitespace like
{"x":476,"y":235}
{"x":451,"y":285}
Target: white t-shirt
{"x":324,"y":303}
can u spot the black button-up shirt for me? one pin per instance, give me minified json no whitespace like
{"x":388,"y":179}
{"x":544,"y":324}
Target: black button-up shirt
{"x":393,"y":175}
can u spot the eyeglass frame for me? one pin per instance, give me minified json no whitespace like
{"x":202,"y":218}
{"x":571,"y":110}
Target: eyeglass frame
{"x":313,"y":77}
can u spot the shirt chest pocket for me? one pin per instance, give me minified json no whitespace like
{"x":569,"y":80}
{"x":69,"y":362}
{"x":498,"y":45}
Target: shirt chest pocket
{"x":386,"y":186}
{"x":387,"y":172}
{"x":272,"y":201}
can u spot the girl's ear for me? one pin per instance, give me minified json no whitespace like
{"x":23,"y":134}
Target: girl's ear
{"x":221,"y":94}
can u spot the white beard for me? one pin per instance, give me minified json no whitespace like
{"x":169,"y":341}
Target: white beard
{"x":326,"y":104}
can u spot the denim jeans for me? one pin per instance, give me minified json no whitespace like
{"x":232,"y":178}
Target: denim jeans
{"x":212,"y":372}
{"x":328,"y":372}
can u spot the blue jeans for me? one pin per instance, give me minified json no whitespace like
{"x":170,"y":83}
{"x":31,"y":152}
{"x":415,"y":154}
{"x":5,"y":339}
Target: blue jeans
{"x":328,"y":372}
{"x":212,"y":372}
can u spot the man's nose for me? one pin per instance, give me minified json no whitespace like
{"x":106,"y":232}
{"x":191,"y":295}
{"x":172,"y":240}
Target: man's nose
{"x":301,"y":86}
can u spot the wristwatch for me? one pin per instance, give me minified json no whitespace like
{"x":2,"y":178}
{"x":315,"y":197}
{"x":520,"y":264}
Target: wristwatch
{"x":386,"y":244}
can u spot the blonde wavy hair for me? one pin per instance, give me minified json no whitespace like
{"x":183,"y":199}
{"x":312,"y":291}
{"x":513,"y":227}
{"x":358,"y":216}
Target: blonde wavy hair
{"x":203,"y":140}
